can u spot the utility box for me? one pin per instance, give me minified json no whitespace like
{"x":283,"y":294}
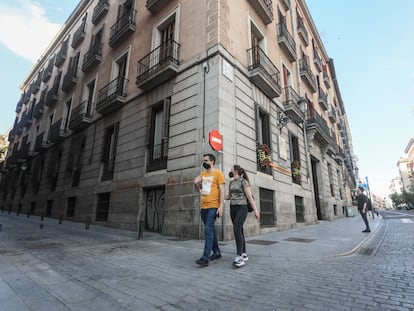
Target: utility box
{"x":350,"y":211}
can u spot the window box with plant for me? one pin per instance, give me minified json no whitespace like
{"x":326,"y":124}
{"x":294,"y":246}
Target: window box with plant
{"x":296,"y":174}
{"x":264,"y":159}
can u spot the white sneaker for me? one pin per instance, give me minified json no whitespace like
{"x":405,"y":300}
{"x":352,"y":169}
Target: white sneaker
{"x":244,"y":257}
{"x":238,"y":262}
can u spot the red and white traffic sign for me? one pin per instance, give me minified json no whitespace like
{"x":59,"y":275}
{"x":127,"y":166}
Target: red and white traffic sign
{"x":216,"y":140}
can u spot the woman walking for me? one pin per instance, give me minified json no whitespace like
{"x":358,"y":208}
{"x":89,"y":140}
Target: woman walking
{"x":240,"y":195}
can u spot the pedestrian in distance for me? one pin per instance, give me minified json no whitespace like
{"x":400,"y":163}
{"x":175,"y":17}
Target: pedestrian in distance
{"x":210,"y":184}
{"x":370,"y":209}
{"x":362,"y":200}
{"x":240,"y":195}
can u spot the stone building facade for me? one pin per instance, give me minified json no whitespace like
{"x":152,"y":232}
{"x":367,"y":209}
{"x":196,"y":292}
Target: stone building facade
{"x":115,"y":117}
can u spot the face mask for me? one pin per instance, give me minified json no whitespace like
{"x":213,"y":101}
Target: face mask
{"x":206,"y":165}
{"x":231,"y":174}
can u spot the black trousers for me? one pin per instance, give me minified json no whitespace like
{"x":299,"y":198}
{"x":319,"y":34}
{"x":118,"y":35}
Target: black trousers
{"x":365,"y":218}
{"x":238,"y":214}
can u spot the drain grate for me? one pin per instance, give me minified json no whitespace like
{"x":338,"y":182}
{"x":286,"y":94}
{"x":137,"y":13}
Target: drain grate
{"x":302,"y":240}
{"x":262,"y":242}
{"x":366,"y":251}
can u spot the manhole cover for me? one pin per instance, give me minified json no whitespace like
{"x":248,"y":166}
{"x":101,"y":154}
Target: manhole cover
{"x":299,"y":240}
{"x":262,"y":242}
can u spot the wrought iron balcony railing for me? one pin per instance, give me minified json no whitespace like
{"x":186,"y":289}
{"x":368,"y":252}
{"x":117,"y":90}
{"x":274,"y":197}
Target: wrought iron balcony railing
{"x":92,"y":58}
{"x":123,"y":27}
{"x":286,"y":41}
{"x":100,"y":10}
{"x":159,"y":65}
{"x":158,"y":156}
{"x":263,"y":72}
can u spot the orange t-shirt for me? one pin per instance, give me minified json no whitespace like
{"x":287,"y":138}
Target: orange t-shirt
{"x":210,"y":188}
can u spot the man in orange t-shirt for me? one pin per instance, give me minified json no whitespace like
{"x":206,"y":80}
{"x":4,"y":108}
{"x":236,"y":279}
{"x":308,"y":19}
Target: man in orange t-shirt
{"x":210,"y":183}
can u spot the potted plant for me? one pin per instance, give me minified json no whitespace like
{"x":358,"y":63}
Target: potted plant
{"x":263,"y":156}
{"x":296,"y":175}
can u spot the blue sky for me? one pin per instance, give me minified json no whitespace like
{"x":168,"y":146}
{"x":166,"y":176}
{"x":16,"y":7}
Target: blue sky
{"x":372,"y":45}
{"x":370,"y":41}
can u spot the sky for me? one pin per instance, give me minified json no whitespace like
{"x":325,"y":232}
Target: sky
{"x":370,"y":41}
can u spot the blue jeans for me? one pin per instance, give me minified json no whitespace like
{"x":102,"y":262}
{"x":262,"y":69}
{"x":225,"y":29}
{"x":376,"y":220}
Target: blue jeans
{"x":208,"y":216}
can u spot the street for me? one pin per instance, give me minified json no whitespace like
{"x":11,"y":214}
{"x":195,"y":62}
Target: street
{"x":49,"y":266}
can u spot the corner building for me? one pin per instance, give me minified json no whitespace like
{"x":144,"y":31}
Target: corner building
{"x":115,"y":117}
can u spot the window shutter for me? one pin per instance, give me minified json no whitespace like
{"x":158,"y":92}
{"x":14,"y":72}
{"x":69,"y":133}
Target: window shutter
{"x":257,"y":122}
{"x":166,"y":119}
{"x":115,"y":140}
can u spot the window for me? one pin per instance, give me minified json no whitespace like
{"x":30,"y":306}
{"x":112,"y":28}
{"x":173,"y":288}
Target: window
{"x":295,"y":159}
{"x":109,"y":151}
{"x":90,"y":89}
{"x":102,"y":208}
{"x":49,"y":127}
{"x":267,"y":214}
{"x":300,"y":209}
{"x":262,"y":127}
{"x":331,"y":184}
{"x":158,"y":136}
{"x":66,"y":115}
{"x":70,"y":211}
{"x":338,"y":174}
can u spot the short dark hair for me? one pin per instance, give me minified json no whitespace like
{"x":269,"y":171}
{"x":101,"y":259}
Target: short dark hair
{"x":361,"y":188}
{"x":211,"y":157}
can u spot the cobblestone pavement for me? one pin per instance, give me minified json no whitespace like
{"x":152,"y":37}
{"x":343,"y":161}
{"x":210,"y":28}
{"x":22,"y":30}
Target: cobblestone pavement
{"x":65,"y":267}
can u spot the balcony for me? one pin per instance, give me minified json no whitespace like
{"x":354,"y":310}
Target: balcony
{"x":58,"y":130}
{"x":291,"y":104}
{"x":26,"y":97}
{"x":52,"y":96}
{"x":302,"y":32}
{"x":318,"y":129}
{"x":78,"y":36}
{"x":61,"y":55}
{"x":158,"y":66}
{"x":100,"y":11}
{"x":263,"y":73}
{"x":34,"y":88}
{"x":285,"y":4}
{"x":317,"y":60}
{"x":92,"y":58}
{"x":70,"y":79}
{"x":306,"y":74}
{"x":27,"y":118}
{"x":326,"y":77}
{"x":47,"y":73}
{"x":23,"y":153}
{"x":124,"y":26}
{"x":155,"y":5}
{"x":41,"y":143}
{"x":332,"y":115}
{"x":264,"y":9}
{"x":112,"y":96}
{"x":286,"y":41}
{"x":322,"y":99}
{"x":81,"y":116}
{"x":39,"y":108}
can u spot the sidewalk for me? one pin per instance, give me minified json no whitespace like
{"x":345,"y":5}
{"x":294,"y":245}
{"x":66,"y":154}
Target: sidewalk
{"x":325,"y":239}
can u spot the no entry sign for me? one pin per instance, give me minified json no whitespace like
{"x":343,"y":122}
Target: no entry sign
{"x":216,"y":140}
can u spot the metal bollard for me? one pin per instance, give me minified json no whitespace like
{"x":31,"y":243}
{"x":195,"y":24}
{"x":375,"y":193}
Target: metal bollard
{"x":87,"y":223}
{"x":18,"y":212}
{"x":41,"y":226}
{"x":42,"y":217}
{"x":60,"y":219}
{"x":1,"y":226}
{"x":141,"y":229}
{"x":28,"y":214}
